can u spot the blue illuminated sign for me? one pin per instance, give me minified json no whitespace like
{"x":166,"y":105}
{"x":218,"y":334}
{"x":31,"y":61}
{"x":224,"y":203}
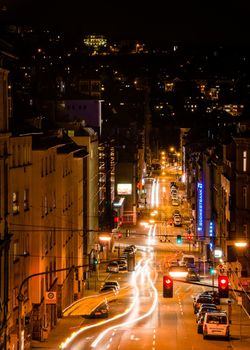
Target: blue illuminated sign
{"x":200,"y":208}
{"x":211,"y":229}
{"x":211,"y":235}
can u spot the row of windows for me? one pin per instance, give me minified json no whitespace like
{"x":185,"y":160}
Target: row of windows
{"x":21,"y":155}
{"x":48,"y":164}
{"x":49,"y":241}
{"x":48,"y":204}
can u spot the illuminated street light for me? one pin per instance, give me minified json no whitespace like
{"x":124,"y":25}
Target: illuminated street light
{"x":105,"y":238}
{"x":240,"y":244}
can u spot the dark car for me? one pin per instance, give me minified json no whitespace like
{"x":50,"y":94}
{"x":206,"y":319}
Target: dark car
{"x":214,"y":294}
{"x":201,"y":299}
{"x":123,"y":265}
{"x":108,"y":288}
{"x":111,"y":284}
{"x":192,"y":276}
{"x":205,"y":308}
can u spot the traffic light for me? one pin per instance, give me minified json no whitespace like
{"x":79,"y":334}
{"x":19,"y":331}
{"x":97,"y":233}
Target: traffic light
{"x":189,"y":237}
{"x":95,"y":262}
{"x":178,"y":239}
{"x":223,"y":286}
{"x":212,"y":270}
{"x":115,"y":218}
{"x":167,"y":287}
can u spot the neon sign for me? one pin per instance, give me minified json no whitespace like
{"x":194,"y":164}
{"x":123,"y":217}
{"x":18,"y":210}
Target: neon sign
{"x":200,"y":209}
{"x":211,"y":235}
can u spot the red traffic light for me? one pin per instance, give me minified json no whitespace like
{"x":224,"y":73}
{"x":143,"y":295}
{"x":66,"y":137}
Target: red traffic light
{"x":223,"y":284}
{"x":167,"y":287}
{"x":167,"y":281}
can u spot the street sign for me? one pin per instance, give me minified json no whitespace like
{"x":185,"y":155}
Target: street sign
{"x":50,"y":298}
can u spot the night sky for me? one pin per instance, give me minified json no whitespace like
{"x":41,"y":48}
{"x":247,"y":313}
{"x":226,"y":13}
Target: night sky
{"x":187,"y":21}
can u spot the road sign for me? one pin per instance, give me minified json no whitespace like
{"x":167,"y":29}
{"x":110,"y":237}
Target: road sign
{"x":50,"y":298}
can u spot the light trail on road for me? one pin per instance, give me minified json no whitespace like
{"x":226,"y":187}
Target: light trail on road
{"x":146,"y":272}
{"x":142,"y":272}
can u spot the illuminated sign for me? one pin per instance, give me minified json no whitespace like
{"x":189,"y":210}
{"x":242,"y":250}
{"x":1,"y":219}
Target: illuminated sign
{"x":124,"y":189}
{"x":218,"y":253}
{"x":211,"y":235}
{"x":200,"y":209}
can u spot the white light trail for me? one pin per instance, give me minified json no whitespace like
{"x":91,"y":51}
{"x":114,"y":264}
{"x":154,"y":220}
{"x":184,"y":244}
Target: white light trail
{"x":151,"y":310}
{"x":132,"y":305}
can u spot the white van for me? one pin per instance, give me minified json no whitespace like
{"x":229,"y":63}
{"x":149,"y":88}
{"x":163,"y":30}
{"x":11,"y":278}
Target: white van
{"x":187,"y":260}
{"x":216,"y":325}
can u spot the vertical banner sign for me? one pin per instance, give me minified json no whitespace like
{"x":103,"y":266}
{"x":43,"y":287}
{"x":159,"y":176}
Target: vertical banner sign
{"x":200,"y":208}
{"x":211,"y":235}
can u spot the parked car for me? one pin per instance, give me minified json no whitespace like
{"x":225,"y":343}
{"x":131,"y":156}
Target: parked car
{"x":112,"y":284}
{"x":201,"y":320}
{"x":216,"y":325}
{"x":214,"y":294}
{"x":113,"y":267}
{"x":123,"y":265}
{"x":201,"y":299}
{"x":205,"y":308}
{"x":107,"y":289}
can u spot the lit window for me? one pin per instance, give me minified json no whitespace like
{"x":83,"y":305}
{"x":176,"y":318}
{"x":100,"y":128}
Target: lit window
{"x":15,"y":204}
{"x":244,"y":160}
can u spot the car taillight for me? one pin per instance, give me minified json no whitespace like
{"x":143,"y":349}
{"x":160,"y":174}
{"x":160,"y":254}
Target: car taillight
{"x":205,"y":328}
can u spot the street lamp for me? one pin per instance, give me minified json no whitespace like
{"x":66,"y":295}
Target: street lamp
{"x":240,"y":244}
{"x":105,"y":238}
